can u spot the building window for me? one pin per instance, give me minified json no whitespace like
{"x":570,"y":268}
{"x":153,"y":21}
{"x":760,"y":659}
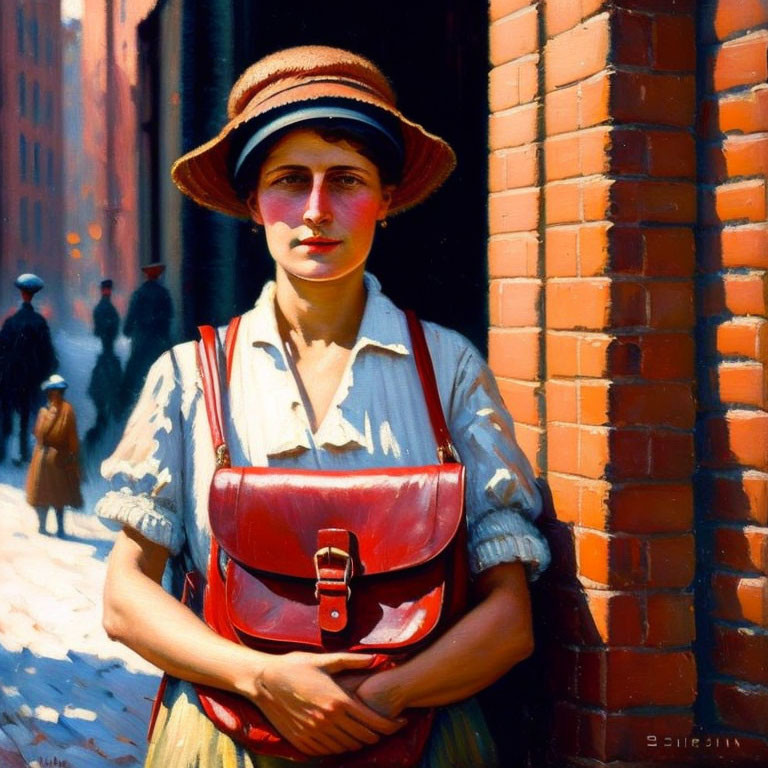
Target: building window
{"x":49,"y":109}
{"x":20,"y":30}
{"x":36,"y":102}
{"x":24,"y":220}
{"x":50,"y":171}
{"x":34,"y":39}
{"x":23,"y":157}
{"x":38,"y":223}
{"x":22,"y":94}
{"x":36,"y":163}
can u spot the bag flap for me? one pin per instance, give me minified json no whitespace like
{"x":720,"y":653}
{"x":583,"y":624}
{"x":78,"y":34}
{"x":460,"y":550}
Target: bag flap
{"x":268,"y":519}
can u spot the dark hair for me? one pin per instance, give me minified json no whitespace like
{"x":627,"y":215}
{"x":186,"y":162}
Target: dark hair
{"x":368,"y":141}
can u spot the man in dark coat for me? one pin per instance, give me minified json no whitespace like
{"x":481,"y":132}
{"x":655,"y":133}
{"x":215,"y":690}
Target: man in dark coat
{"x":27,"y":359}
{"x":106,"y":378}
{"x":148,"y":325}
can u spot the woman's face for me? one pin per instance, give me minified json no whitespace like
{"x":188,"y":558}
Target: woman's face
{"x":318,"y":202}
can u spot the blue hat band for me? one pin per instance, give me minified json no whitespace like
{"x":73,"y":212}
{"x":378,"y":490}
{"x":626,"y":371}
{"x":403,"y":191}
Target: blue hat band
{"x":305,"y":114}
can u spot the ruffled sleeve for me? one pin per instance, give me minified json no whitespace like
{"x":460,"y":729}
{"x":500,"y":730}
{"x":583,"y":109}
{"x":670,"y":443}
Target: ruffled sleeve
{"x":502,"y":499}
{"x":145,"y":471}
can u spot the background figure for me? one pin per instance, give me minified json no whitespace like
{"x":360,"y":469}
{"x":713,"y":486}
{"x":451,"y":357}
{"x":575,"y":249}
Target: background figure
{"x":148,"y":325}
{"x":26,"y":359}
{"x":54,"y":473}
{"x":104,"y":387}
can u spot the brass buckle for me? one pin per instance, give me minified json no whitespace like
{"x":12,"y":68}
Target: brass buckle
{"x":329,"y":552}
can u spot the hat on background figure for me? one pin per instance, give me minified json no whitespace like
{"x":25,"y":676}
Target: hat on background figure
{"x":29,"y":283}
{"x":54,"y":382}
{"x":106,"y":284}
{"x":153,"y":270}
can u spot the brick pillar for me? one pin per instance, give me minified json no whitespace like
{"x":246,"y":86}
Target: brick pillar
{"x":515,"y":337}
{"x":733,"y":429}
{"x":612,"y":293}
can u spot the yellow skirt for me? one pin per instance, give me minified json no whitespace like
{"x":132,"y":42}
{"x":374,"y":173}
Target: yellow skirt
{"x":184,"y":737}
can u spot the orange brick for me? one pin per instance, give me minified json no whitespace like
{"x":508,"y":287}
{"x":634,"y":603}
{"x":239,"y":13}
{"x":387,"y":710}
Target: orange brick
{"x":652,"y":404}
{"x":739,"y":438}
{"x":636,"y":678}
{"x":566,"y":14}
{"x":741,"y":598}
{"x":617,"y":616}
{"x":596,"y":198}
{"x":522,"y":166}
{"x":745,"y":549}
{"x":561,"y":248}
{"x":521,"y":399}
{"x":737,"y":17}
{"x":741,"y":156}
{"x":742,"y":384}
{"x":670,"y":619}
{"x":514,"y":36}
{"x":578,"y":303}
{"x":742,"y":200}
{"x":593,"y":402}
{"x":652,"y":201}
{"x":742,"y":653}
{"x":514,"y":353}
{"x":594,"y":100}
{"x":654,"y":98}
{"x":628,"y":308}
{"x":672,"y":454}
{"x":577,"y":53}
{"x":671,"y":154}
{"x":746,"y":294}
{"x":562,"y":354}
{"x":593,"y":249}
{"x":669,"y":252}
{"x":498,"y":9}
{"x":744,"y":247}
{"x":562,"y":201}
{"x":578,"y":450}
{"x":671,"y":305}
{"x":530,"y":439}
{"x":740,"y":62}
{"x":746,"y":112}
{"x":514,"y":302}
{"x":561,"y":110}
{"x":632,"y":42}
{"x":562,"y":400}
{"x":630,"y":454}
{"x":668,"y":356}
{"x":671,"y":561}
{"x":742,"y":498}
{"x":615,"y":561}
{"x":743,"y":708}
{"x":513,"y":255}
{"x":674,"y":43}
{"x":513,"y":83}
{"x":593,"y":354}
{"x":743,"y":337}
{"x":513,"y":211}
{"x":512,"y":127}
{"x":562,"y":156}
{"x":649,"y":508}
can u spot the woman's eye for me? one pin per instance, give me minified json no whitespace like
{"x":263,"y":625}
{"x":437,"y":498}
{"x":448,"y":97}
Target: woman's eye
{"x":291,"y":179}
{"x":347,"y":180}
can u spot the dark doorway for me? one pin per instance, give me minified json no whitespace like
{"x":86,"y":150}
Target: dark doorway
{"x":432,"y":258}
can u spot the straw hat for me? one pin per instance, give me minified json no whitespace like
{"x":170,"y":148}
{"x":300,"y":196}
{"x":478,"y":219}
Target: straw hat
{"x":300,"y":76}
{"x":54,"y":382}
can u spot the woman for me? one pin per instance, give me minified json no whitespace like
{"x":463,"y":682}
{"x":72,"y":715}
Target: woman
{"x":54,"y":473}
{"x":321,"y":378}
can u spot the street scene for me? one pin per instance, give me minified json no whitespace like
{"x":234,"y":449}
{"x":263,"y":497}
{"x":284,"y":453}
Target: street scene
{"x":69,"y":696}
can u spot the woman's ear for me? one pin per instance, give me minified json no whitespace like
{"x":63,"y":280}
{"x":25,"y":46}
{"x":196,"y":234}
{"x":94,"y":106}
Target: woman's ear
{"x":386,"y":200}
{"x":253,"y":206}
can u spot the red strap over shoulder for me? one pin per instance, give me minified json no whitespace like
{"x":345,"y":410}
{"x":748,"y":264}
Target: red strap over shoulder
{"x":446,"y":452}
{"x":208,"y":363}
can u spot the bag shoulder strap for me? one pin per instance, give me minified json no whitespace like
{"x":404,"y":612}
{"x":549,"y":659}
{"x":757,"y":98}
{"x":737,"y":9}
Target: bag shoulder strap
{"x":208,"y":364}
{"x":446,"y":452}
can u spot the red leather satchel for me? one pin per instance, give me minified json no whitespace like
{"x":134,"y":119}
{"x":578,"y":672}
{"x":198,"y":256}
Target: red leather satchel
{"x":370,"y":561}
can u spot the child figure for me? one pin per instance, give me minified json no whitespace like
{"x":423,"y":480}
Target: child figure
{"x":54,"y":473}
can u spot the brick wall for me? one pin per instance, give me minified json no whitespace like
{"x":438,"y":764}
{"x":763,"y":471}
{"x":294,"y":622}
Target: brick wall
{"x":612,"y":361}
{"x":733,"y":424}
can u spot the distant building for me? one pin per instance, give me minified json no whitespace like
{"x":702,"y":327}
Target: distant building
{"x":31,"y":194}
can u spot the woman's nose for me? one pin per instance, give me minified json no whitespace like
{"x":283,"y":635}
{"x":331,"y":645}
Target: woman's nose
{"x":318,"y":209}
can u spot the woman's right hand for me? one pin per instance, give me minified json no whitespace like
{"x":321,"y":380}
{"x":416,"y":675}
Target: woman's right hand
{"x":298,"y":695}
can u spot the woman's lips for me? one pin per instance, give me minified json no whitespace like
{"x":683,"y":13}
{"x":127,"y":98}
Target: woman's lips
{"x":319,"y":243}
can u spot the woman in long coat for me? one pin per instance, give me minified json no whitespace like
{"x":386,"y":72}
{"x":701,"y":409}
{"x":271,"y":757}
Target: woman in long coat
{"x":54,"y":473}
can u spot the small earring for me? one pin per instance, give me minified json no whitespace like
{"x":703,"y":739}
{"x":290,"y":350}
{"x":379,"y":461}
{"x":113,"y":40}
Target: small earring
{"x":255,"y":229}
{"x":384,"y":223}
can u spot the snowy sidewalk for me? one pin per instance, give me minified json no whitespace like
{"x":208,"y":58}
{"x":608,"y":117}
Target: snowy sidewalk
{"x":69,"y":696}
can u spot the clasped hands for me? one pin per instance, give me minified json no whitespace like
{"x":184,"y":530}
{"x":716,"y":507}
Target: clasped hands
{"x":326,"y":703}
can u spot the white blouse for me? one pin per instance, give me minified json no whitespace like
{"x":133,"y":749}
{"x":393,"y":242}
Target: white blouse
{"x":161,"y":471}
